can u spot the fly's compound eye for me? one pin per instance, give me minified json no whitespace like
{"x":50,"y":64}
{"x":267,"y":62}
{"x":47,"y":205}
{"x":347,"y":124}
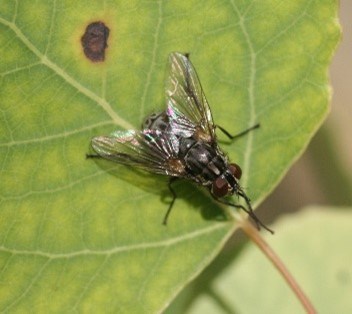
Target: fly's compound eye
{"x":235,"y":170}
{"x":220,"y":187}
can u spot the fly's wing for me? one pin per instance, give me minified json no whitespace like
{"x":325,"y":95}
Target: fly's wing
{"x":150,"y":150}
{"x":186,"y":101}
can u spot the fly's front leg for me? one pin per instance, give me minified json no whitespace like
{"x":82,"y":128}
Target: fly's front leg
{"x":174,"y":196}
{"x":236,"y":136}
{"x":249,"y":211}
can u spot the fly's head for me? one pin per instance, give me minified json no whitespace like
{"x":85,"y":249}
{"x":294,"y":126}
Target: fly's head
{"x":227,"y":183}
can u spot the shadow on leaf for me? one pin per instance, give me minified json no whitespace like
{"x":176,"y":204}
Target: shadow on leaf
{"x":197,"y":197}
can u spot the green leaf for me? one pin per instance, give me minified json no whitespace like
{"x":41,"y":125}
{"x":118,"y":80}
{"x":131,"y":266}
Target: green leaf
{"x":79,"y":235}
{"x":313,"y":244}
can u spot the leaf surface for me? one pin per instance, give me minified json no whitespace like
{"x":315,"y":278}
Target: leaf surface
{"x":80,"y":235}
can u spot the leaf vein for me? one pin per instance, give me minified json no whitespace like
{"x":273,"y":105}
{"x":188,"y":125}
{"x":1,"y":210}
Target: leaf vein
{"x":103,"y":103}
{"x":55,"y":136}
{"x":121,"y":249}
{"x":152,"y":64}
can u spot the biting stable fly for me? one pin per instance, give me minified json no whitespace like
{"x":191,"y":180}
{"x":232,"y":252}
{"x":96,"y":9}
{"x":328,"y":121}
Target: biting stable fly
{"x":180,"y":142}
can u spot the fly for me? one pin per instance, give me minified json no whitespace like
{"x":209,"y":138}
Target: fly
{"x":180,"y":142}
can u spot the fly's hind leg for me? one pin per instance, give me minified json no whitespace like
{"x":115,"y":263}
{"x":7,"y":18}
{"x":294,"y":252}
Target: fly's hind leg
{"x":236,"y":136}
{"x":174,"y":196}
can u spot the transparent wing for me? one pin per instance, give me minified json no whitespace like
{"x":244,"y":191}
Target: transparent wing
{"x":150,"y":150}
{"x":185,"y":96}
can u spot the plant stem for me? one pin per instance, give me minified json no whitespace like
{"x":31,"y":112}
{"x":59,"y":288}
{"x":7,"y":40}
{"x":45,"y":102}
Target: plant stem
{"x":254,"y":235}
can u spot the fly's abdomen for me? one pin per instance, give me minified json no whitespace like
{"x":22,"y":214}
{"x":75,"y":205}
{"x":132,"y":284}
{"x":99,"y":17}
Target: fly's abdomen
{"x":157,"y":121}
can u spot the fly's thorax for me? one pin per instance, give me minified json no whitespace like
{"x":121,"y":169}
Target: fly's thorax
{"x":185,"y":145}
{"x":156,"y":121}
{"x":202,"y":160}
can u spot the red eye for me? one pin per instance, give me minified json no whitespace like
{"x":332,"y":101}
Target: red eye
{"x":220,"y":187}
{"x":235,"y":170}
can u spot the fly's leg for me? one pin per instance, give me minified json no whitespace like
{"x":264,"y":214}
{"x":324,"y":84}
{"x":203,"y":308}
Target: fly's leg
{"x":92,"y":156}
{"x":236,"y":136}
{"x":174,"y":196}
{"x":249,"y":211}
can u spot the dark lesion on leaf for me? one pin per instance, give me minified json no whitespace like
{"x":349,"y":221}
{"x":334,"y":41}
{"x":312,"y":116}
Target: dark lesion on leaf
{"x":94,"y":41}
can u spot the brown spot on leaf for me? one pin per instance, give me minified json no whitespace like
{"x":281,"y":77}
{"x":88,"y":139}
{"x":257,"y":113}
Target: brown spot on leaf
{"x":94,"y":41}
